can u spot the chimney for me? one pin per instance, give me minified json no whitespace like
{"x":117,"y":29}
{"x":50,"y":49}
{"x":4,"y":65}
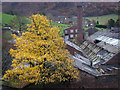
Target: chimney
{"x":79,"y":25}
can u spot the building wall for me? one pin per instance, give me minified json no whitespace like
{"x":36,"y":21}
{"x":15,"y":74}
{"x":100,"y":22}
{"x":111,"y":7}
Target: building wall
{"x":71,"y":31}
{"x":72,"y":50}
{"x":79,"y":25}
{"x":114,"y":60}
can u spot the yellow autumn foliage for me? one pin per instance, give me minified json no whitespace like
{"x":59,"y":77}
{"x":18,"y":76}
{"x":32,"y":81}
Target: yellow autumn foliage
{"x":40,"y":55}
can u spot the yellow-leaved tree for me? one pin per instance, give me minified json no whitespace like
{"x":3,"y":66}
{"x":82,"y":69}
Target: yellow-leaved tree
{"x":40,"y":55}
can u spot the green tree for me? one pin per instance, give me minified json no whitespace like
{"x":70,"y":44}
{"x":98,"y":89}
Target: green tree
{"x":117,"y":23}
{"x":19,"y":23}
{"x":43,"y":14}
{"x":111,"y":23}
{"x":41,"y":56}
{"x":12,"y":12}
{"x":97,"y":22}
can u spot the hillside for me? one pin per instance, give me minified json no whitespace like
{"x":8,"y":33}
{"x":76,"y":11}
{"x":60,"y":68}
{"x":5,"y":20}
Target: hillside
{"x":60,"y":8}
{"x":6,"y":18}
{"x":102,"y":19}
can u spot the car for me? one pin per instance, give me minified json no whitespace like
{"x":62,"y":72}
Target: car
{"x":15,"y":32}
{"x":7,"y":28}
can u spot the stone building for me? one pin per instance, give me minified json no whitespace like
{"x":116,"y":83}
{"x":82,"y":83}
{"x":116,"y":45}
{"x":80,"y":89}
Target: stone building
{"x":96,"y":52}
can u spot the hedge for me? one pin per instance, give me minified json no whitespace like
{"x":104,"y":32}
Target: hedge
{"x":100,"y":26}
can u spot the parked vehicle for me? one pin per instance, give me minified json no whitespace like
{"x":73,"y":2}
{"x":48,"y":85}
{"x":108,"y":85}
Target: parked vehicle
{"x":15,"y":32}
{"x":7,"y":27}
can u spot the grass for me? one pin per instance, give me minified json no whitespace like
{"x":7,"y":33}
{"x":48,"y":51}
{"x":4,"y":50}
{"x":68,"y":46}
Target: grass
{"x":84,"y":27}
{"x":103,"y":19}
{"x":61,"y":27}
{"x":6,"y":18}
{"x":59,"y":24}
{"x":101,"y":29}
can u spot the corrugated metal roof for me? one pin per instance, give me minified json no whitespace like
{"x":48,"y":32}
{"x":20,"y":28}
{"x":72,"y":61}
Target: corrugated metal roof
{"x":73,"y":45}
{"x":108,"y":47}
{"x":111,"y":41}
{"x":105,"y":33}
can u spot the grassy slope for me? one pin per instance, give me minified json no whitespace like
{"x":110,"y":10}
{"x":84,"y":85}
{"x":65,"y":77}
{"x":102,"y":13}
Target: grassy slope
{"x":6,"y":18}
{"x":104,"y":19}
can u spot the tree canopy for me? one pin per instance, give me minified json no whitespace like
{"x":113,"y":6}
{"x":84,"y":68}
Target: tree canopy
{"x":111,"y":23}
{"x":117,"y":23}
{"x":19,"y":23}
{"x":40,"y":55}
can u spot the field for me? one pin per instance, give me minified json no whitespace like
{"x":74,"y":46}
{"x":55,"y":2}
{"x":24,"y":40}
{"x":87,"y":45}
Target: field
{"x":103,"y":19}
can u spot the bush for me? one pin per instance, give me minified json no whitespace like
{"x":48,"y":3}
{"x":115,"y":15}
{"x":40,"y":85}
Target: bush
{"x":101,"y":26}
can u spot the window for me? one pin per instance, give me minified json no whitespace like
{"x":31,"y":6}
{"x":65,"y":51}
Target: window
{"x":65,"y":31}
{"x":76,"y":30}
{"x":66,"y":37}
{"x":71,"y":35}
{"x":75,"y":35}
{"x":71,"y":31}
